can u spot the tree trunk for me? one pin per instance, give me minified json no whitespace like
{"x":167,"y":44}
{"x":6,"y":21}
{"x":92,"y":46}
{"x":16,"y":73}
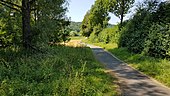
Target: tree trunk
{"x":121,"y":20}
{"x":26,"y":27}
{"x":122,"y":13}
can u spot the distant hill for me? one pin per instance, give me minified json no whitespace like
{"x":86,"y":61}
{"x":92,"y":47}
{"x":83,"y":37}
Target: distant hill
{"x":75,"y":26}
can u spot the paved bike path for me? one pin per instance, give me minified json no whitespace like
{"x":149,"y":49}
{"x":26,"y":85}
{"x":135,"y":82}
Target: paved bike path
{"x":132,"y":82}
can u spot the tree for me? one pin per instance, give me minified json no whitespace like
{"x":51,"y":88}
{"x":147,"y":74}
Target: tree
{"x":120,"y":8}
{"x":163,"y":13}
{"x":85,"y":27}
{"x":37,"y":11}
{"x":98,"y":15}
{"x":25,"y":10}
{"x":147,"y":32}
{"x":49,"y":20}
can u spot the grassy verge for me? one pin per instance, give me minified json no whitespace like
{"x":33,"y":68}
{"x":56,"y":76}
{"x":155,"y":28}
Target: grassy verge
{"x":156,"y":68}
{"x":77,"y":38}
{"x":63,"y":71}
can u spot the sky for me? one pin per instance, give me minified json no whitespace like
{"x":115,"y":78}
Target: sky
{"x":78,"y":8}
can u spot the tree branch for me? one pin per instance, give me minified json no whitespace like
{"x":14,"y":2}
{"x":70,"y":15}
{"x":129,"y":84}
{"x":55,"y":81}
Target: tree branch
{"x":2,"y":3}
{"x":12,"y":4}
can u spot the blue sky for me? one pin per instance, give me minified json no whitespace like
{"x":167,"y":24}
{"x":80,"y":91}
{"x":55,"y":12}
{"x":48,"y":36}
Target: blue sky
{"x":78,"y":8}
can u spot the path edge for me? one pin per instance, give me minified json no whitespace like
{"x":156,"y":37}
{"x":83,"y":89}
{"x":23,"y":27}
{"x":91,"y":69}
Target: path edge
{"x":154,"y":80}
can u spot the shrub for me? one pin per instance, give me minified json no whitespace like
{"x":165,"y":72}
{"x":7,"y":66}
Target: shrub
{"x":135,"y":32}
{"x":74,"y":33}
{"x":148,"y":32}
{"x":94,"y":35}
{"x":93,"y":38}
{"x":109,"y":35}
{"x":158,"y":42}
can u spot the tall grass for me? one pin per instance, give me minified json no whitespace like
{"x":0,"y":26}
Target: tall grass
{"x":61,"y":71}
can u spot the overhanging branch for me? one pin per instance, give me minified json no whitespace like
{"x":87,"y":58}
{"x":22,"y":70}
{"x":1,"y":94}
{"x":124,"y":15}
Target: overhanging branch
{"x":9,"y":3}
{"x":2,"y":3}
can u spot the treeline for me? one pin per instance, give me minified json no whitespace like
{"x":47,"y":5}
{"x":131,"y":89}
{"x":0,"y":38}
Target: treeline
{"x":32,"y":23}
{"x":74,"y":28}
{"x":97,"y":17}
{"x":146,"y":32}
{"x":149,"y":30}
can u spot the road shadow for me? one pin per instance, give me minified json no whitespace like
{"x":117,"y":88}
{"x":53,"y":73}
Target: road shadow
{"x":132,"y":82}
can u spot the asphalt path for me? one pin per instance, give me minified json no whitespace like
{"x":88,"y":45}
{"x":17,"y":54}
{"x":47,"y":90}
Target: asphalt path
{"x":132,"y":82}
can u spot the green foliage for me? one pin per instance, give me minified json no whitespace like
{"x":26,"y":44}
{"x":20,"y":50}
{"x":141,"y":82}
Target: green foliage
{"x":158,"y":42}
{"x":9,"y":33}
{"x":61,"y":36}
{"x":93,"y":38}
{"x":97,"y":16}
{"x":47,"y":19}
{"x":163,"y":13}
{"x":74,"y":33}
{"x":75,"y":26}
{"x":135,"y":32}
{"x":86,"y":27}
{"x":109,"y":35}
{"x":63,"y":71}
{"x":97,"y":29}
{"x":52,"y":22}
{"x":120,"y":8}
{"x":144,"y":33}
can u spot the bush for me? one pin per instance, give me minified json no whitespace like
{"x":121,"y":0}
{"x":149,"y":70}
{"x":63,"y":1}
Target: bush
{"x":158,"y":42}
{"x":109,"y":35}
{"x":93,"y":38}
{"x":135,"y":32}
{"x":94,"y":35}
{"x":148,"y":32}
{"x":74,"y":33}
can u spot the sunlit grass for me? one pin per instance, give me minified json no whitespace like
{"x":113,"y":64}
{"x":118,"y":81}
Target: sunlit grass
{"x":60,"y":71}
{"x":77,"y":38}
